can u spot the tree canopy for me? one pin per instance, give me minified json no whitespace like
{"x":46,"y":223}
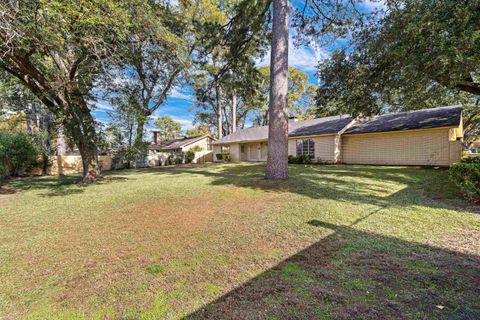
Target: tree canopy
{"x":57,"y":49}
{"x":418,"y":55}
{"x":168,"y":128}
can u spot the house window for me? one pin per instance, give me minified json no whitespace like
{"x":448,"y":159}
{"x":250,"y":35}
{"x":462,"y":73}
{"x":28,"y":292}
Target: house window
{"x":306,"y":147}
{"x":242,"y":148}
{"x":209,"y":144}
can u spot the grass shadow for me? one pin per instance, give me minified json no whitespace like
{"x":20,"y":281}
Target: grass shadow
{"x":58,"y":186}
{"x":353,"y":274}
{"x":373,"y":185}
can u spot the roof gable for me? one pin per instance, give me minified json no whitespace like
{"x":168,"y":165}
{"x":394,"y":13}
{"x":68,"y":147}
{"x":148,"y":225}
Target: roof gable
{"x":178,"y":143}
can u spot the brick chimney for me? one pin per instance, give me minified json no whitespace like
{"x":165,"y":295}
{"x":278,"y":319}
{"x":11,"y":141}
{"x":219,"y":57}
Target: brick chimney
{"x":156,"y":137}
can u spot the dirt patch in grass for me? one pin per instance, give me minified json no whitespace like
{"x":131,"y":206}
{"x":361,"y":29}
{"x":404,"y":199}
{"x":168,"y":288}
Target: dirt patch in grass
{"x":146,"y":247}
{"x":219,"y":242}
{"x":5,"y":191}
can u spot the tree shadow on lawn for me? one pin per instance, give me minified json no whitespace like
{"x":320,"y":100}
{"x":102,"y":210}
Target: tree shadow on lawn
{"x":57,"y":185}
{"x":373,"y":185}
{"x":353,"y":274}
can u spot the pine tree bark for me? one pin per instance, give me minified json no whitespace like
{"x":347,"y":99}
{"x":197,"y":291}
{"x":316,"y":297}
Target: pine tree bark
{"x":234,"y":113}
{"x":277,"y":161}
{"x":219,"y":109}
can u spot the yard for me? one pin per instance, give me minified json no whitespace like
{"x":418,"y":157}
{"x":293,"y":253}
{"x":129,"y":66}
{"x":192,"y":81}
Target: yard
{"x":218,"y":242}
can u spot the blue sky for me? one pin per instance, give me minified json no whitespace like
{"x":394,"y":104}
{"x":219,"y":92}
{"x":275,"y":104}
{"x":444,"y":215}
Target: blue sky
{"x":180,"y":104}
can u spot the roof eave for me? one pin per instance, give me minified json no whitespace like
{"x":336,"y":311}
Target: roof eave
{"x":402,"y":130}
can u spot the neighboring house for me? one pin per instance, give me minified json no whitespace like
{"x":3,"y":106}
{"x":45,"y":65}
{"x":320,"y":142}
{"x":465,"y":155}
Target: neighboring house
{"x":424,"y":137}
{"x":475,"y":147}
{"x":160,"y":150}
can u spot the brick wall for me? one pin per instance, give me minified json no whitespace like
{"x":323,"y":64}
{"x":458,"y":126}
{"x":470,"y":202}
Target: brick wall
{"x":324,"y":148}
{"x":426,"y":147}
{"x":71,"y":165}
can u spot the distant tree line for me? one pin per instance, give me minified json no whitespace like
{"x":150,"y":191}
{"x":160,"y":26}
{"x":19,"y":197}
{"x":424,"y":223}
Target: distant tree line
{"x":60,"y":59}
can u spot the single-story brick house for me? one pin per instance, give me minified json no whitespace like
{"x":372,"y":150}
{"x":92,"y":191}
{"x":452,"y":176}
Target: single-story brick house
{"x":423,"y":137}
{"x":158,"y":150}
{"x":182,"y":144}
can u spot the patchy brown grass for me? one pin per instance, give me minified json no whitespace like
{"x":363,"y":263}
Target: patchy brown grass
{"x":219,"y":242}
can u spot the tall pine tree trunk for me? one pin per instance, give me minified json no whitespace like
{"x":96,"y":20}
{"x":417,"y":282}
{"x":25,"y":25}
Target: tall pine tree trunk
{"x":234,"y":113}
{"x":219,"y":109}
{"x":277,"y":161}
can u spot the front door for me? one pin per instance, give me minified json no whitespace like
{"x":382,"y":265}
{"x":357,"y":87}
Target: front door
{"x":254,"y":149}
{"x":264,"y":151}
{"x":243,"y":152}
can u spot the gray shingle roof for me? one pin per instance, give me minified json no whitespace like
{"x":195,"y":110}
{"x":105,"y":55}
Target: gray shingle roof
{"x":328,"y":125}
{"x":421,"y":119}
{"x":175,"y":143}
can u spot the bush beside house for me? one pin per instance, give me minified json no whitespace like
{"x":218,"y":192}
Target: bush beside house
{"x":466,"y":176}
{"x":224,"y":156}
{"x":18,"y":154}
{"x":303,"y":159}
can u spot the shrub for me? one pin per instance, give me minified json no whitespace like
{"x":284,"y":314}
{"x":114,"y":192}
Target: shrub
{"x":225,"y":156}
{"x":169,"y":160}
{"x":189,"y":156}
{"x":471,"y":160}
{"x":197,"y":148}
{"x":178,"y":159}
{"x":466,"y":176}
{"x":17,"y":153}
{"x":303,"y":159}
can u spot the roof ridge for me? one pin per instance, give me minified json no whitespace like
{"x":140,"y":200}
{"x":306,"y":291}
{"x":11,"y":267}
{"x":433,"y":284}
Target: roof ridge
{"x":422,"y":110}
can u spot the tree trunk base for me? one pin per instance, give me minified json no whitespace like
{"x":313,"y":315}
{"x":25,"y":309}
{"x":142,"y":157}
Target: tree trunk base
{"x":270,"y":176}
{"x":91,"y":177}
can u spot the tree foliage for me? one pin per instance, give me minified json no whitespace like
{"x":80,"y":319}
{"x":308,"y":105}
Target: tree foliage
{"x":409,"y":57}
{"x":168,"y":128}
{"x":301,"y":94}
{"x":17,"y":153}
{"x":200,"y":130}
{"x":57,"y":49}
{"x":155,"y":58}
{"x":420,"y":54}
{"x":225,"y":80}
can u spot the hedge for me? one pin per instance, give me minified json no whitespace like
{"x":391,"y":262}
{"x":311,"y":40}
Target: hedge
{"x":466,"y":176}
{"x":17,"y":154}
{"x":303,"y":159}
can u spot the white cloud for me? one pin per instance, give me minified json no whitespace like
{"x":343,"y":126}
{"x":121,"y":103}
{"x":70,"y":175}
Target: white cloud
{"x":186,"y":124}
{"x":303,"y":58}
{"x":372,"y":5}
{"x":179,"y":94}
{"x":103,"y":105}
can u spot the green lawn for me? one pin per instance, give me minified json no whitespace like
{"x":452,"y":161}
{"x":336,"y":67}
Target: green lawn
{"x":219,"y":242}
